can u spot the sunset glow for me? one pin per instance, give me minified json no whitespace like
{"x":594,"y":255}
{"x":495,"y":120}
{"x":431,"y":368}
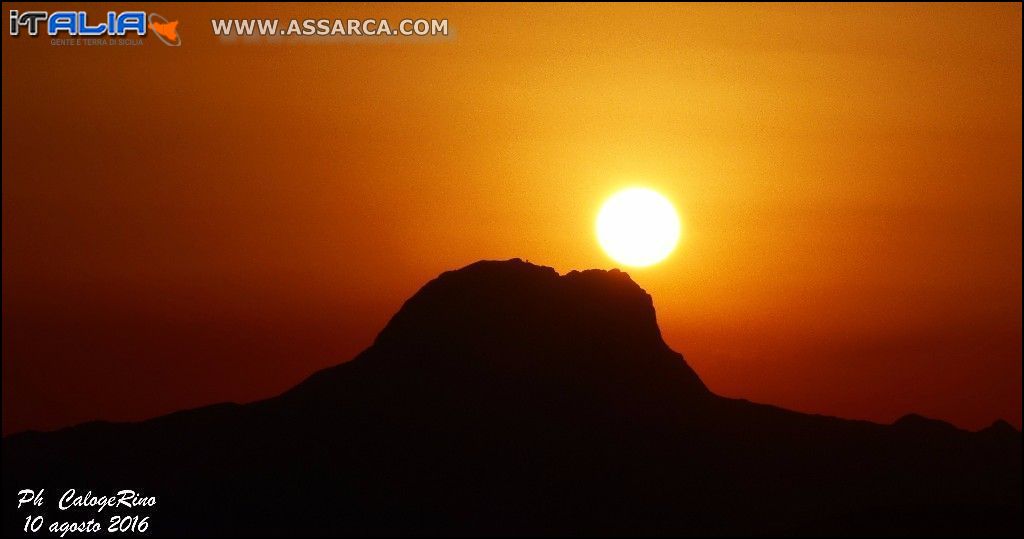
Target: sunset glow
{"x":847,"y":179}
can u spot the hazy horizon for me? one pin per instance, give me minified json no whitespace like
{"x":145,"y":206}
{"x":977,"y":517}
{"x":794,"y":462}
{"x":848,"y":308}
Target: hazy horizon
{"x":216,"y":221}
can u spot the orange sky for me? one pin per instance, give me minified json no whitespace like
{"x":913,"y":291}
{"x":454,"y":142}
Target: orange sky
{"x":216,"y":221}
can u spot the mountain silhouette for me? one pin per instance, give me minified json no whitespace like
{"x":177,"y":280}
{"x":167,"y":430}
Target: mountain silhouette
{"x":503,"y":399}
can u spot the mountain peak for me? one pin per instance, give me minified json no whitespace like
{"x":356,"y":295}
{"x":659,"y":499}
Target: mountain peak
{"x":514,"y":303}
{"x":1001,"y":428}
{"x":518,"y":316}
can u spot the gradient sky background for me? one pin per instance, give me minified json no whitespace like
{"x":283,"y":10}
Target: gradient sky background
{"x":183,"y":226}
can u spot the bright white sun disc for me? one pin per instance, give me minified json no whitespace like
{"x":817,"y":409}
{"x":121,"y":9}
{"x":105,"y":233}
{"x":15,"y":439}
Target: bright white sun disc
{"x":638,"y":227}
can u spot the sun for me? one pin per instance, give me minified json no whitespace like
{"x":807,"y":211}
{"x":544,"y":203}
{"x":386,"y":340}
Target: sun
{"x":638,"y":227}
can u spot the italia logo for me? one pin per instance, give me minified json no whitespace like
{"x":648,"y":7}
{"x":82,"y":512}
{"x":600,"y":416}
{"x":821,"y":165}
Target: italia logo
{"x":78,"y":24}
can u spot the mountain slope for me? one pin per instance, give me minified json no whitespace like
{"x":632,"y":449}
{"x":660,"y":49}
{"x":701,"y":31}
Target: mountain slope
{"x":504,"y":398}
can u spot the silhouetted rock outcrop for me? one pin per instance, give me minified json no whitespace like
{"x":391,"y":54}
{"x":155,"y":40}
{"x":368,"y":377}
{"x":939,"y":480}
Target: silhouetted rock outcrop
{"x":504,"y":398}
